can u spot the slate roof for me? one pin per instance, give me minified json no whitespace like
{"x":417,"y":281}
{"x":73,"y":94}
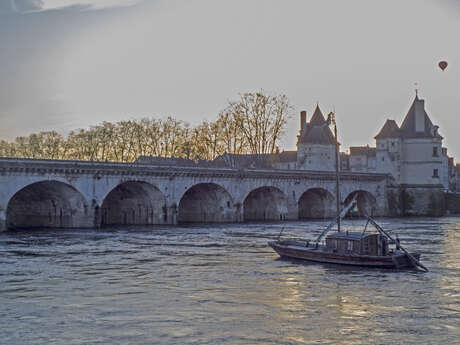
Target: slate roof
{"x":288,"y":156}
{"x":262,"y":161}
{"x":407,"y":129}
{"x":164,"y":161}
{"x":389,"y":130}
{"x":317,"y":119}
{"x":363,"y":151}
{"x":317,"y":131}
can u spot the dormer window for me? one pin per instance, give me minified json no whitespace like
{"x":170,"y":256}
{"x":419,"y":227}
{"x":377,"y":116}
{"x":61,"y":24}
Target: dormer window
{"x":435,"y":151}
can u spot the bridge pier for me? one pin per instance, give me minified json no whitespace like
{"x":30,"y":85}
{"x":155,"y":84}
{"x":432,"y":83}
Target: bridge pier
{"x":239,"y":216}
{"x":2,"y":220}
{"x":172,"y":218}
{"x":292,"y":211}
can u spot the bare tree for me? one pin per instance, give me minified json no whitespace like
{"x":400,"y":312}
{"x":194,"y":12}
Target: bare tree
{"x":253,"y":124}
{"x":261,"y":119}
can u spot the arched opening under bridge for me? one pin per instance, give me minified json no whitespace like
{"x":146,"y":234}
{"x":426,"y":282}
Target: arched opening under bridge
{"x":134,"y":203}
{"x":206,"y":203}
{"x":265,"y":203}
{"x":316,"y":203}
{"x":366,"y":204}
{"x":48,"y":204}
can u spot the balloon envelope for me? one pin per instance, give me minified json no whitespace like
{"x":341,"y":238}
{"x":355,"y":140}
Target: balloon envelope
{"x":442,"y":65}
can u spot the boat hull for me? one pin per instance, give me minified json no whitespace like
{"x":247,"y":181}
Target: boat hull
{"x":321,"y":254}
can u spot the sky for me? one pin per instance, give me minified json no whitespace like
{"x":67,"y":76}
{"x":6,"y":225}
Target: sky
{"x":68,"y":64}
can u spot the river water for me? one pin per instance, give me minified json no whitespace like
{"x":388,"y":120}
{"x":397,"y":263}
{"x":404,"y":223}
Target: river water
{"x":222,"y":284}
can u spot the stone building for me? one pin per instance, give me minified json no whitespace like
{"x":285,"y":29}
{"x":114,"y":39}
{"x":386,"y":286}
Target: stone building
{"x":412,"y":153}
{"x":362,"y":159}
{"x":315,"y":144}
{"x":344,"y":161}
{"x":414,"y":156}
{"x":452,"y":174}
{"x":457,"y":178}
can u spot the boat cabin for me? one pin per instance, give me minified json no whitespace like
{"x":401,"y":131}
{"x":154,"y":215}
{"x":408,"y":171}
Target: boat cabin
{"x":357,"y":243}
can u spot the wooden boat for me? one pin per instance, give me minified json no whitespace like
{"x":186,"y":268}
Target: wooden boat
{"x":350,"y":248}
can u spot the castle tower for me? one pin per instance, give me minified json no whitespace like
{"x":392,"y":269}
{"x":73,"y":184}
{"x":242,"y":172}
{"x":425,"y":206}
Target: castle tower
{"x":389,"y":150}
{"x":421,"y":147}
{"x":414,"y":155}
{"x":316,"y":143}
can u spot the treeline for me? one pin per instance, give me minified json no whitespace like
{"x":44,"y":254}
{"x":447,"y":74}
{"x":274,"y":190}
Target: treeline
{"x":253,"y":124}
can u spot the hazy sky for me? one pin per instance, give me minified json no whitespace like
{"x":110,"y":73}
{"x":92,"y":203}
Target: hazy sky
{"x":67,"y":64}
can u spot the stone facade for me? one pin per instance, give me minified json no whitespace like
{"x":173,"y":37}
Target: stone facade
{"x":413,"y":153}
{"x":457,"y":178}
{"x":316,"y":144}
{"x":66,"y":194}
{"x":362,"y":159}
{"x":422,"y":201}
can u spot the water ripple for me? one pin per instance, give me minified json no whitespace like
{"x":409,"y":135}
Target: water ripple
{"x":222,"y":284}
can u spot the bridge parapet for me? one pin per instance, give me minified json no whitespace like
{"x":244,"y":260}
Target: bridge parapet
{"x":12,"y":165}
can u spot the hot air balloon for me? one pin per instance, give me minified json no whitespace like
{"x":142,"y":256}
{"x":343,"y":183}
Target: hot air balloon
{"x":442,"y":65}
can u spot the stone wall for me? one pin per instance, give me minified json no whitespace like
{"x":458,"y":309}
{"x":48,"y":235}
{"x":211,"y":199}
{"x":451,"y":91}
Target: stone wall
{"x":40,"y":193}
{"x":452,"y":203}
{"x":422,"y":201}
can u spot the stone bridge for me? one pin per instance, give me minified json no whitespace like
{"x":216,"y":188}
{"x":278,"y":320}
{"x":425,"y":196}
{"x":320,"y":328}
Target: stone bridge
{"x":67,"y":194}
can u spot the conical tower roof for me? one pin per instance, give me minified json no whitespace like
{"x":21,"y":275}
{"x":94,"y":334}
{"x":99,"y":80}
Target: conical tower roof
{"x":317,"y":118}
{"x":409,"y":126}
{"x":317,"y":131}
{"x":389,"y":130}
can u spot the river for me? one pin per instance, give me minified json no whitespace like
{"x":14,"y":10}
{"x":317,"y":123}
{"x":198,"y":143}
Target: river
{"x":222,"y":284}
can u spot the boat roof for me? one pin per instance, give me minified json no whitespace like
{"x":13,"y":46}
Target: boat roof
{"x":354,"y":236}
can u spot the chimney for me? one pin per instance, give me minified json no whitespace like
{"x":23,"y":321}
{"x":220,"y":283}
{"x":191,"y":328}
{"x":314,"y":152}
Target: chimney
{"x":419,"y":115}
{"x":303,"y":119}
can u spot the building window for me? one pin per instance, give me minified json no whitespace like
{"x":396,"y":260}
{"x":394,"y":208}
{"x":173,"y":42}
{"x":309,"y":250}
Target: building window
{"x":435,"y":151}
{"x":435,"y":173}
{"x":383,"y":159}
{"x":392,"y":144}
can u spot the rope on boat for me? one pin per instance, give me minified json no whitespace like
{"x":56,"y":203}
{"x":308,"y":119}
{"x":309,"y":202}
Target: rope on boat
{"x":416,"y":263}
{"x":279,"y":236}
{"x":336,"y":219}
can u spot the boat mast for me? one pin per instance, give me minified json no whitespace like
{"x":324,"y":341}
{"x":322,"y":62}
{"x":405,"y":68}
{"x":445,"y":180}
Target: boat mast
{"x":331,"y":118}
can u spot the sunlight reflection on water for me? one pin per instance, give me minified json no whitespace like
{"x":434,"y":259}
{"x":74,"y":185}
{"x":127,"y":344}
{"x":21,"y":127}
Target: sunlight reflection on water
{"x":222,"y":284}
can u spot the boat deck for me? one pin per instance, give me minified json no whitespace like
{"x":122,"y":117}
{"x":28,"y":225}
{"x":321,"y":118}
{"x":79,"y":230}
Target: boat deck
{"x":320,"y":253}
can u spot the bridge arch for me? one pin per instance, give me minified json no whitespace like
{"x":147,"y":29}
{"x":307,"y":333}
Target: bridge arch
{"x":366,"y":203}
{"x":134,"y":203}
{"x":48,"y":204}
{"x":206,"y":203}
{"x":265,"y":203}
{"x":316,"y":203}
